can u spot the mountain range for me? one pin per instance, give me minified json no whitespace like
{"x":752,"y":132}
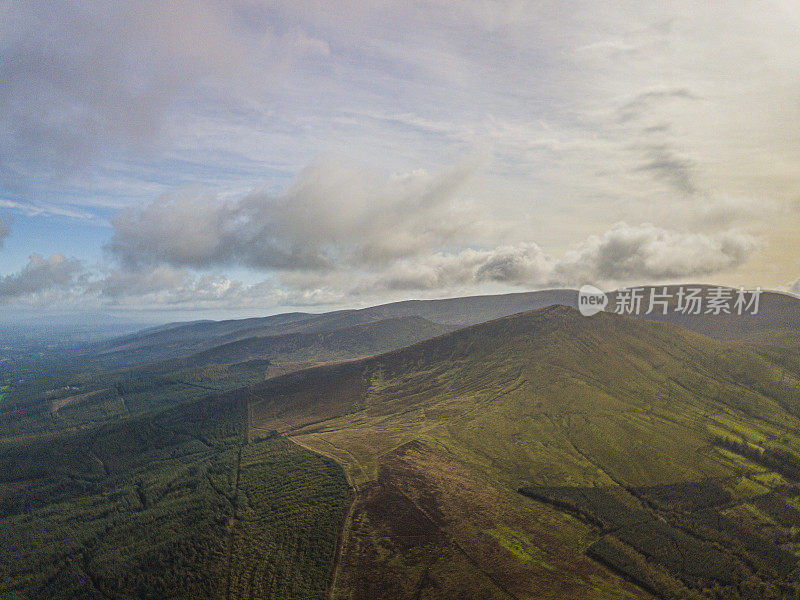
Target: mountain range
{"x":483,"y":447}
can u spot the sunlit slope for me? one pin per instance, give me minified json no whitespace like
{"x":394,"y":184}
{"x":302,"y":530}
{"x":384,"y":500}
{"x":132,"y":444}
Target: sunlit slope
{"x":551,"y":396}
{"x":446,"y":432}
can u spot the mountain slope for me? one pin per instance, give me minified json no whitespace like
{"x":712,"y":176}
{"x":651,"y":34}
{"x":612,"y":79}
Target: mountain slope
{"x":777,"y":312}
{"x":182,"y":340}
{"x":347,"y":342}
{"x":447,"y":430}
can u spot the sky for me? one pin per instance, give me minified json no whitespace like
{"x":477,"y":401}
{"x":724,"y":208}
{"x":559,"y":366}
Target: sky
{"x":218,"y":159}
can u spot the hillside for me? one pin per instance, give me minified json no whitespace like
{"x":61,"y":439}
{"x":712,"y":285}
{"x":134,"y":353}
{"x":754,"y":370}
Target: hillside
{"x":178,"y":340}
{"x":777,"y":311}
{"x":439,"y":438}
{"x":538,"y":455}
{"x":347,"y":342}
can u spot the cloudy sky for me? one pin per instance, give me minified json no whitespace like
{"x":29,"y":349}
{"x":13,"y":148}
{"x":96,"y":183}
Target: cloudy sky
{"x":246,"y":157}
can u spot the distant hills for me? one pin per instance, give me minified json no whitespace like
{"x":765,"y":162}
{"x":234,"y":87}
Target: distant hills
{"x":777,"y":311}
{"x":170,"y":341}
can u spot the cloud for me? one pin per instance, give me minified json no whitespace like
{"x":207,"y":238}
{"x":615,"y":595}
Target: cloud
{"x":644,"y":102}
{"x":3,"y":232}
{"x":331,"y":215}
{"x":165,"y":287}
{"x":668,"y":166}
{"x":794,"y":288}
{"x":645,"y":252}
{"x":85,"y":81}
{"x":522,"y":264}
{"x":623,"y":254}
{"x":41,"y":276}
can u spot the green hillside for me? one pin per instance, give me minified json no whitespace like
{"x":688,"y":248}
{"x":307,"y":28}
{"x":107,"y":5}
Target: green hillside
{"x":439,"y":437}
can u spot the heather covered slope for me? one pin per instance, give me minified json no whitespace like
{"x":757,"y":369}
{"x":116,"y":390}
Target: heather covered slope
{"x":438,"y":438}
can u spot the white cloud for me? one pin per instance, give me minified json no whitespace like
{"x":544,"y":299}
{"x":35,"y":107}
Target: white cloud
{"x":330,"y":215}
{"x":38,"y":279}
{"x":164,"y":287}
{"x":586,"y":118}
{"x":623,"y":254}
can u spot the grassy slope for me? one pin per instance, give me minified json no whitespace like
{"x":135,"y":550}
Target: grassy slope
{"x":448,"y":429}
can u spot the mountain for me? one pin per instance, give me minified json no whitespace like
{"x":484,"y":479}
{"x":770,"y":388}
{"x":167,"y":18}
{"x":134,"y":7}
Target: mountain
{"x":468,"y":451}
{"x":777,"y":311}
{"x":373,"y":337}
{"x":177,"y":339}
{"x":541,"y":454}
{"x":181,"y":340}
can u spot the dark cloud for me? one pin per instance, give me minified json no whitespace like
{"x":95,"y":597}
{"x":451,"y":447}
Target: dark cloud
{"x":668,"y":166}
{"x":3,"y":232}
{"x":650,"y":99}
{"x":42,"y":275}
{"x":645,"y":252}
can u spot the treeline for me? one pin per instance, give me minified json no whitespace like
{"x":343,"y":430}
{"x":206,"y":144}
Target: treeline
{"x":781,"y":462}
